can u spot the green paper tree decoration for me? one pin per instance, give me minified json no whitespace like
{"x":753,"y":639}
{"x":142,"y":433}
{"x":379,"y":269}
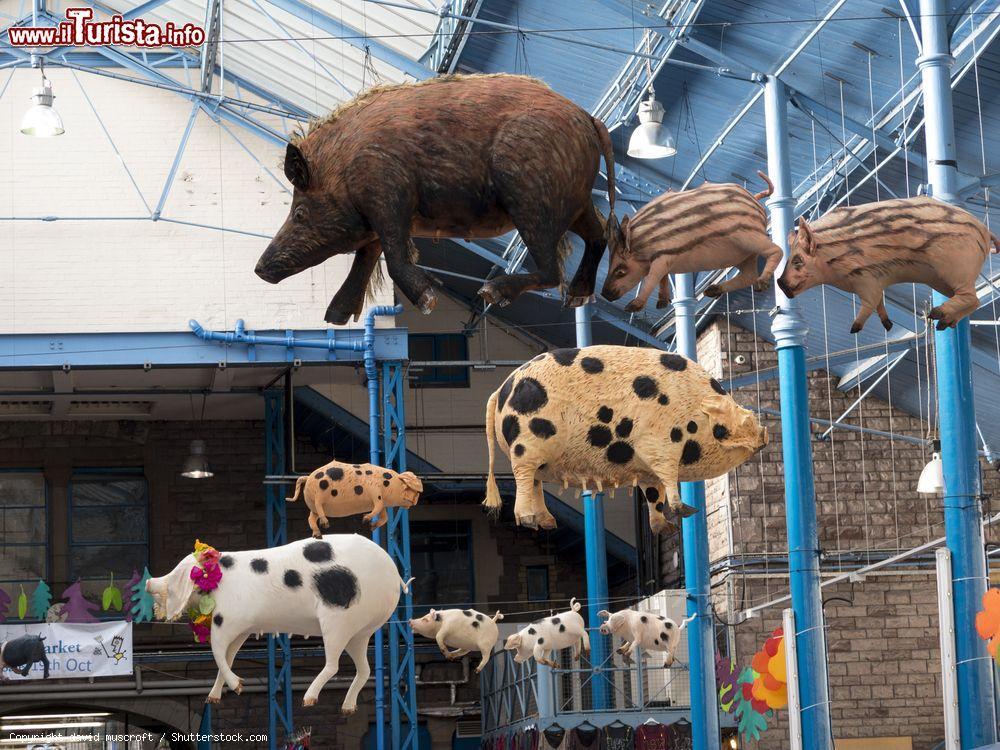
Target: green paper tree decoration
{"x":77,"y":607}
{"x":749,"y":721}
{"x":4,"y":605}
{"x":41,"y":600}
{"x":111,"y":597}
{"x":142,"y":600}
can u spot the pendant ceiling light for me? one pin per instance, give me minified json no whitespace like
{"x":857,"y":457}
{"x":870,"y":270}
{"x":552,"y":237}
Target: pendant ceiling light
{"x":652,"y":139}
{"x":931,"y":480}
{"x":41,"y":120}
{"x":196,"y":465}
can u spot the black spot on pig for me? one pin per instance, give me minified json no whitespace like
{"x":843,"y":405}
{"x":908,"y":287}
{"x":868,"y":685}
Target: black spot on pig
{"x":217,"y":620}
{"x":565,"y":357}
{"x":541,"y":641}
{"x":528,"y":397}
{"x":510,"y":428}
{"x":663,"y":400}
{"x":467,"y":612}
{"x":692,"y":427}
{"x":358,"y":472}
{"x":665,"y":637}
{"x":518,"y":450}
{"x":605,"y":414}
{"x":358,"y":489}
{"x":645,"y":387}
{"x":258,"y":565}
{"x":667,"y":625}
{"x":652,"y":494}
{"x":336,"y":586}
{"x":318,"y":551}
{"x":717,"y":387}
{"x":323,"y":484}
{"x":691,"y":453}
{"x":656,"y":641}
{"x":367,"y":473}
{"x":531,"y":631}
{"x":479,"y":617}
{"x":333,"y":492}
{"x":562,"y":628}
{"x":227,"y":561}
{"x":620,"y":452}
{"x":542,"y":428}
{"x":437,"y":617}
{"x":720,"y":432}
{"x":599,"y":436}
{"x":386,"y":475}
{"x":673,"y":362}
{"x":643,"y":618}
{"x":475,"y":624}
{"x":292,"y":579}
{"x":555,"y":620}
{"x":504,"y":393}
{"x":318,"y":475}
{"x":676,"y":435}
{"x":335,"y":473}
{"x":624,"y":428}
{"x":592,"y":365}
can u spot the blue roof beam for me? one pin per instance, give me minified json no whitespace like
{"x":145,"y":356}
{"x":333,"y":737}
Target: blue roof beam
{"x":210,"y":49}
{"x":353,"y":37}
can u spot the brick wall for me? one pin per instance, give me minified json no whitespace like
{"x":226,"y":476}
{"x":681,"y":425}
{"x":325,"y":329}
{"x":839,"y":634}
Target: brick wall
{"x":882,"y":637}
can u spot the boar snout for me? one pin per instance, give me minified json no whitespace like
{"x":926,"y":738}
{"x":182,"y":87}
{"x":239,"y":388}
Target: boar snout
{"x":610,"y":292}
{"x":270,"y":267}
{"x":786,"y":288}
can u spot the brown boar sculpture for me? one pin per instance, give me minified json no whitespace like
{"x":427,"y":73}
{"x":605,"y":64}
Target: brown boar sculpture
{"x":711,"y":227}
{"x":337,"y":490}
{"x":863,"y":249}
{"x":609,"y":416}
{"x":455,"y":156}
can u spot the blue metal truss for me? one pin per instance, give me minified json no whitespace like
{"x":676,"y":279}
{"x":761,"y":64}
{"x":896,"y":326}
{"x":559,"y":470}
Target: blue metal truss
{"x":279,"y":647}
{"x":402,"y":670}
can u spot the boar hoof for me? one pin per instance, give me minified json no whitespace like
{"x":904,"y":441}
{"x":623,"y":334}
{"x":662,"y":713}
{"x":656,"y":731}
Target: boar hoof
{"x":577,"y":301}
{"x":713,"y":291}
{"x":856,"y":328}
{"x":762,"y":284}
{"x":936,"y":313}
{"x":634,"y":306}
{"x":943,"y":324}
{"x":336,"y":317}
{"x":662,"y":304}
{"x":686,"y":510}
{"x":427,"y":302}
{"x":887,"y":324}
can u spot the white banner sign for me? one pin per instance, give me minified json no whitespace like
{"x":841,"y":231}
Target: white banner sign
{"x":100,"y":649}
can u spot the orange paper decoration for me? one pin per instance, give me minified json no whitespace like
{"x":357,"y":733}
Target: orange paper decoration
{"x":988,"y":621}
{"x":769,"y":663}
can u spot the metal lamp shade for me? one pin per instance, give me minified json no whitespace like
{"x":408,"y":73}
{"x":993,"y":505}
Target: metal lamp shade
{"x":196,"y":465}
{"x":931,"y":480}
{"x":41,"y":120}
{"x":652,"y":139}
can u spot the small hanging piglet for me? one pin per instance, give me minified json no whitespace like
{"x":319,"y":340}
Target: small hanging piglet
{"x":863,"y":249}
{"x":543,"y":638}
{"x":464,"y":630}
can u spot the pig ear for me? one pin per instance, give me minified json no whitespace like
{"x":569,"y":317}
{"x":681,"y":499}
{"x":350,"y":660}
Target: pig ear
{"x":296,"y":169}
{"x":808,"y":241}
{"x":412,"y":481}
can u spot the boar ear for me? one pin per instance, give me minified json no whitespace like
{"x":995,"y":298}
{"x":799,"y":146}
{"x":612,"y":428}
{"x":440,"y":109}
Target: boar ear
{"x":623,"y":229}
{"x":808,"y":241}
{"x":296,"y":169}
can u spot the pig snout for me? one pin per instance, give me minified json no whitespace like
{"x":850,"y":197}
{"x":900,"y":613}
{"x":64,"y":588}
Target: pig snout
{"x":269,"y":266}
{"x":605,"y":630}
{"x":785,"y":287}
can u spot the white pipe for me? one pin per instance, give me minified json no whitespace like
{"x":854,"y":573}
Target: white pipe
{"x":949,"y":668}
{"x":792,"y":679}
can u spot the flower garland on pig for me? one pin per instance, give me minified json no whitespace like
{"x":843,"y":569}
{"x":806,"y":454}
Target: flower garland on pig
{"x":206,"y":575}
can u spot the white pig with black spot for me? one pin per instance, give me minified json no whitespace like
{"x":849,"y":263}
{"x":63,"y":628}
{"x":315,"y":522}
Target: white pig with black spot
{"x":643,"y":630}
{"x":463,"y":630}
{"x":551,"y":634}
{"x":343,"y":587}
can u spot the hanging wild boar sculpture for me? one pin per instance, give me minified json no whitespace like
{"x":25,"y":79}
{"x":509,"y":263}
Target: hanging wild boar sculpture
{"x":610,"y":416}
{"x":863,"y":249}
{"x":711,"y":227}
{"x":456,"y":156}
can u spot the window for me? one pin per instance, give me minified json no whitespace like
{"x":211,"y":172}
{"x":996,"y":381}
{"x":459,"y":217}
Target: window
{"x":23,"y":527}
{"x":108,"y":524}
{"x":441,"y":561}
{"x":538,"y":583}
{"x":439,"y":347}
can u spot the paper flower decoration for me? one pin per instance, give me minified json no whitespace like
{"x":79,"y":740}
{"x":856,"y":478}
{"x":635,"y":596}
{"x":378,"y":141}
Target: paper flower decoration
{"x":201,"y":626}
{"x":769,"y":663}
{"x":206,"y":578}
{"x":988,"y":622}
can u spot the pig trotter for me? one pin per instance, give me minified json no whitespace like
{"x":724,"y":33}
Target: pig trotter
{"x":427,"y":302}
{"x":856,"y":327}
{"x":713,"y":291}
{"x":578,"y":301}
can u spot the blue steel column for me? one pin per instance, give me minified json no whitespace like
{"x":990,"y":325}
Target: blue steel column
{"x":596,"y":554}
{"x":403,"y":678}
{"x":279,"y":648}
{"x":962,"y":513}
{"x":789,"y":331}
{"x":697,"y":579}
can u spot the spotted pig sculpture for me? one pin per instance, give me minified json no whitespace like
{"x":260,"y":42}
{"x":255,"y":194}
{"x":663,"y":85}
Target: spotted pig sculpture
{"x":464,"y":630}
{"x":711,"y":227}
{"x":863,"y":249}
{"x":342,"y":587}
{"x":338,"y":489}
{"x":454,"y":156}
{"x":642,"y":630}
{"x":551,"y":634}
{"x":609,"y":416}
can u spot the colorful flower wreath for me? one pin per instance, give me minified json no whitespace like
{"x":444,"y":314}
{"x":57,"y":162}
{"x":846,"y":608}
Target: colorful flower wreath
{"x":206,"y":576}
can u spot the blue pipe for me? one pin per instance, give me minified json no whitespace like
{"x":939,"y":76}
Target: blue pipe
{"x":371,"y":375}
{"x":596,"y":553}
{"x":697,"y":577}
{"x":789,"y":330}
{"x":962,"y":494}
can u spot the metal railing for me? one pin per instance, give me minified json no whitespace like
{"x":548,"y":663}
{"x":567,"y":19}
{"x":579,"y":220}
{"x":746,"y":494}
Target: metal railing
{"x":520,"y":694}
